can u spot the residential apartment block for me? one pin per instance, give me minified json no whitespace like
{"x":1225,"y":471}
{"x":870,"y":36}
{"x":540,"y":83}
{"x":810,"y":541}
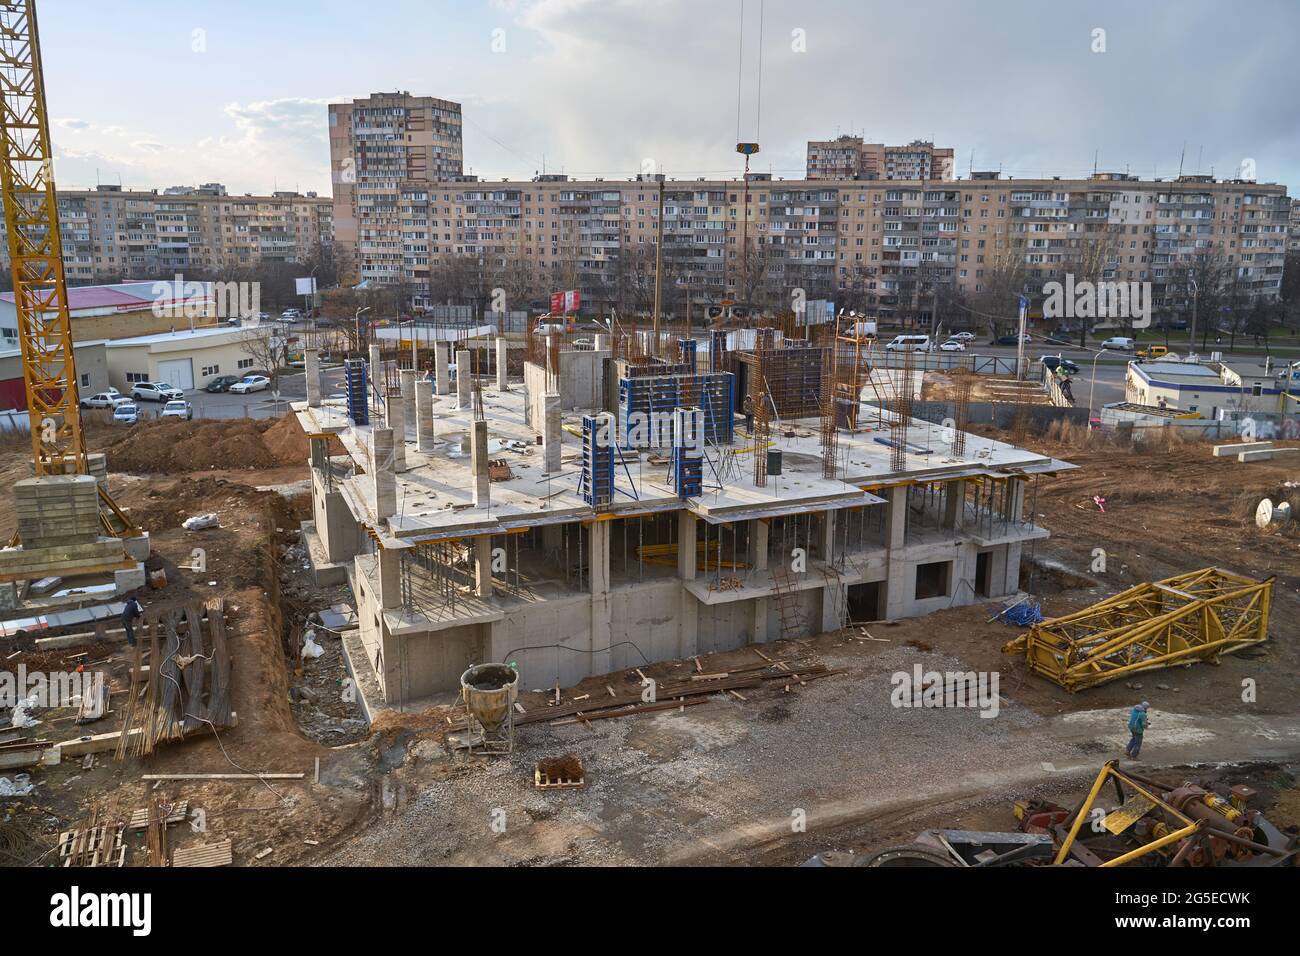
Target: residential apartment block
{"x":111,"y":233}
{"x":881,"y":245}
{"x":1294,"y":245}
{"x":848,"y":157}
{"x":380,"y":147}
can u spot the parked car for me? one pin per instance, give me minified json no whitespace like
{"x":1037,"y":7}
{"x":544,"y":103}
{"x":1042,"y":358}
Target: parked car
{"x":180,"y":409}
{"x":250,"y":383}
{"x":1053,"y":362}
{"x":155,"y":392}
{"x":1119,"y":343}
{"x":221,"y":383}
{"x":909,"y":343}
{"x":953,"y":345}
{"x":1152,"y":352}
{"x":104,"y":400}
{"x":1012,"y":340}
{"x":127,"y":414}
{"x":965,"y":337}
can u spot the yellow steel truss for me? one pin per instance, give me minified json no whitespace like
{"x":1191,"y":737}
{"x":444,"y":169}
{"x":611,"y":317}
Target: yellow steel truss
{"x":35,"y":248}
{"x":31,"y":214}
{"x":1190,"y":617}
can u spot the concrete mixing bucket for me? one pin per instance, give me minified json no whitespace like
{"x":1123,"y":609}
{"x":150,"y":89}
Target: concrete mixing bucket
{"x":489,"y":691}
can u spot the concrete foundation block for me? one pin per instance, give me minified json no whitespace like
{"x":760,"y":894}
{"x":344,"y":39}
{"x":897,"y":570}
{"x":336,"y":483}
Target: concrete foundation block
{"x":132,"y":580}
{"x":137,"y":548}
{"x":1228,"y":451}
{"x":1262,"y":454}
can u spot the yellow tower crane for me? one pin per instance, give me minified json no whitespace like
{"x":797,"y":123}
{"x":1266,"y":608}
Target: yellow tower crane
{"x":36,"y":253}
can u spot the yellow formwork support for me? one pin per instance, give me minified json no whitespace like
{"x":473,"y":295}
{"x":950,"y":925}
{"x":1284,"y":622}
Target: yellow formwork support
{"x":1197,"y":616}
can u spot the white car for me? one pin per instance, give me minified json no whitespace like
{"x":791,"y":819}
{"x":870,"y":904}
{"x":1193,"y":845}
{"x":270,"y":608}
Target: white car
{"x":1120,"y":342}
{"x":105,"y":400}
{"x":250,"y":383}
{"x":155,"y":392}
{"x":177,"y":410}
{"x":953,"y":345}
{"x":964,"y":337}
{"x":127,"y":414}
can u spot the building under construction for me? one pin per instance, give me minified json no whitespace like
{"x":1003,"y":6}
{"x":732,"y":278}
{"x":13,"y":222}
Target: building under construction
{"x":638,"y":498}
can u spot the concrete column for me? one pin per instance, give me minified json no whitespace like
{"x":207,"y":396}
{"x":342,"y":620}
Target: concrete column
{"x":503,"y":364}
{"x":598,"y":563}
{"x":390,"y":579}
{"x":758,"y":621}
{"x":483,"y":566}
{"x":407,"y":378}
{"x":381,"y":473}
{"x":756,"y":555}
{"x":1016,"y":504}
{"x":378,"y":397}
{"x":311,"y":358}
{"x":425,"y":432}
{"x":896,"y":519}
{"x":826,"y":536}
{"x":396,"y":421}
{"x":441,"y":373}
{"x":686,"y":545}
{"x":552,"y":435}
{"x":1011,"y":584}
{"x":479,"y":465}
{"x":952,"y":505}
{"x":464,"y":378}
{"x":601,"y":342}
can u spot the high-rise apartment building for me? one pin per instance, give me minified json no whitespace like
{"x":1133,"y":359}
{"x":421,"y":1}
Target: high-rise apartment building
{"x":885,"y":246}
{"x":849,"y":157}
{"x":381,"y":148}
{"x":1294,"y":245}
{"x":110,"y":234}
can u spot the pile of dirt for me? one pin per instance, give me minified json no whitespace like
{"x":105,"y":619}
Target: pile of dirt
{"x":170,"y":448}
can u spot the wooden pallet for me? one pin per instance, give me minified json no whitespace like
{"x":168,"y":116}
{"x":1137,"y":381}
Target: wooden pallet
{"x":96,"y":846}
{"x":543,"y":782}
{"x":207,"y":854}
{"x":140,"y":818}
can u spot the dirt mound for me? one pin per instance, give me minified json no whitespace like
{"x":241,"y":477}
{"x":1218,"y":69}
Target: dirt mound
{"x":169,"y":448}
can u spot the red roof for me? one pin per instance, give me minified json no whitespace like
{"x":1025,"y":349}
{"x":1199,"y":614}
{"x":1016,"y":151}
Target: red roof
{"x":94,"y":297}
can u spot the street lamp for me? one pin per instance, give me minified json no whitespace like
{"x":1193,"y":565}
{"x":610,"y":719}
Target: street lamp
{"x":357,"y":320}
{"x":1092,"y":390}
{"x":1191,"y":339}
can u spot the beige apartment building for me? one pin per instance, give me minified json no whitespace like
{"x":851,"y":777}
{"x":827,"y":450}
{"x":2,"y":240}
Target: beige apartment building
{"x":848,"y":157}
{"x":380,"y":148}
{"x":880,"y":245}
{"x":111,"y":234}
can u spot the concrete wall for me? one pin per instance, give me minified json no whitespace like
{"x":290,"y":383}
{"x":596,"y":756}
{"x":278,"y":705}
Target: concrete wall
{"x":582,"y":376}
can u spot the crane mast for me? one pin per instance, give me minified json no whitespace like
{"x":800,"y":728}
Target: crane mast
{"x":31,"y":214}
{"x":35,"y":249}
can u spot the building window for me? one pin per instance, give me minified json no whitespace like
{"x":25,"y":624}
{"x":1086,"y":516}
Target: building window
{"x":932,"y":579}
{"x":134,"y":377}
{"x":245,"y":363}
{"x":211,"y":369}
{"x":85,"y":380}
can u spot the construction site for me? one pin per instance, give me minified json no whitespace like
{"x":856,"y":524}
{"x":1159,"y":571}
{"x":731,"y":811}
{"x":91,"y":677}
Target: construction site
{"x":680,"y":595}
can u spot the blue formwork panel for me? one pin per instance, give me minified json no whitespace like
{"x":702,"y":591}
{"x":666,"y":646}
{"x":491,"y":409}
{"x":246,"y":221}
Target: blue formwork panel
{"x":357,"y":390}
{"x":660,"y":395}
{"x":597,"y":481}
{"x":688,"y":473}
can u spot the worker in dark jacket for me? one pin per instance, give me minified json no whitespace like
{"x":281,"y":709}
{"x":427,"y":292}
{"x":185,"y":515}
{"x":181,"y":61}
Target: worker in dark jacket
{"x":1137,"y":726}
{"x":747,"y":406}
{"x":129,"y":613}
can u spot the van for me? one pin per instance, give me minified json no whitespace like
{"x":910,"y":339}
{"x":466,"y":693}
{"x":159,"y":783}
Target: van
{"x":1120,"y":342}
{"x":909,"y":343}
{"x":1152,"y":352}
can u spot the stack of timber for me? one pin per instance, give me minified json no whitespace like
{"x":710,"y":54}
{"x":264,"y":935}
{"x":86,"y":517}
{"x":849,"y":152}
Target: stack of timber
{"x":186,"y":687}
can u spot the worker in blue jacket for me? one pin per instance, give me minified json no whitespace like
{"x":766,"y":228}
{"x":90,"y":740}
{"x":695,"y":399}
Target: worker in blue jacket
{"x":1137,"y":726}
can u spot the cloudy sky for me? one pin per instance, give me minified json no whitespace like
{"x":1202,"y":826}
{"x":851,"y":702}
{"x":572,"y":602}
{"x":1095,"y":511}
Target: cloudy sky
{"x":154,"y":93}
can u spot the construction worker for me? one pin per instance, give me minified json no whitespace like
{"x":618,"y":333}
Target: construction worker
{"x":1137,"y":725}
{"x":129,"y":613}
{"x":747,"y":406}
